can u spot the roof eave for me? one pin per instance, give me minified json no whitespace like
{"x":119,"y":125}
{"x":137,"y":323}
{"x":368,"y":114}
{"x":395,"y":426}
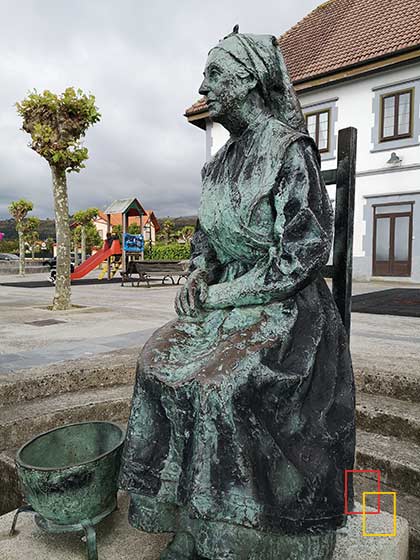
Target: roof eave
{"x":198,"y":119}
{"x":357,"y":70}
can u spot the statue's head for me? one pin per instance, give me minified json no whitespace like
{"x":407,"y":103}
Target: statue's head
{"x":226,"y":83}
{"x":244,"y":66}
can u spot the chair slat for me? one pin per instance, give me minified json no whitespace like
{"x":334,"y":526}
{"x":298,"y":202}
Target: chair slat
{"x":330,"y":176}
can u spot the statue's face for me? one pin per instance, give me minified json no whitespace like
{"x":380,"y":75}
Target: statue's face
{"x":226,"y":84}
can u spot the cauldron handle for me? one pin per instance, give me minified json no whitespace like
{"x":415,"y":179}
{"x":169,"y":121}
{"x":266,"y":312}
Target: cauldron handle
{"x":90,"y":533}
{"x":22,"y":509}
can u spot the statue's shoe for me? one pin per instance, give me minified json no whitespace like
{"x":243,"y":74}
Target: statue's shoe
{"x":181,"y":548}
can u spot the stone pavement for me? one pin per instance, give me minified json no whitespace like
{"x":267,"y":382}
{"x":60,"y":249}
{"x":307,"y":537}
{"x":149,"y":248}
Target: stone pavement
{"x":118,"y":541}
{"x":113,"y":318}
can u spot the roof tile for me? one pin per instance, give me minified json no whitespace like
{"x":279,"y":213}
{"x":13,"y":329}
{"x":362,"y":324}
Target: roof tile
{"x":343,"y":33}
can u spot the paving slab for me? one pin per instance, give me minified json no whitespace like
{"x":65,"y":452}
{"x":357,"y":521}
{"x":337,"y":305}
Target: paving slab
{"x":111,"y":318}
{"x":117,"y":540}
{"x":63,"y":351}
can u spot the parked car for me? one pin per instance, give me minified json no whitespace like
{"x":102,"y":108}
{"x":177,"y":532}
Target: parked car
{"x":52,"y":263}
{"x":8,"y":257}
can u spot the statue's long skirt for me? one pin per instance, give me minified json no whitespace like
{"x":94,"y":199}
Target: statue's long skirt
{"x":244,"y":417}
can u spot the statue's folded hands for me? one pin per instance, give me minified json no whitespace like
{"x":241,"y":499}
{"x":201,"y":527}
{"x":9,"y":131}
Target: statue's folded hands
{"x":192,"y":294}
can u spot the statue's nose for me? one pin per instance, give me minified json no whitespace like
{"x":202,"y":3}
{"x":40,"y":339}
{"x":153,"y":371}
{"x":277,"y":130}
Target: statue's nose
{"x":203,"y":89}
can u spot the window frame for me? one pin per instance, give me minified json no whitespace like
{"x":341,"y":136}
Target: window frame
{"x":392,"y":216}
{"x":317,"y":114}
{"x":396,"y":95}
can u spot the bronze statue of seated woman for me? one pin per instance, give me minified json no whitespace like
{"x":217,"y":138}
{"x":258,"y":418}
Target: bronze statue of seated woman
{"x":242,"y":420}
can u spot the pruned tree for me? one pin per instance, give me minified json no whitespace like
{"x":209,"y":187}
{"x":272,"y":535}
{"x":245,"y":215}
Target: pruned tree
{"x":167,"y":230}
{"x":57,"y":124}
{"x":91,"y":235}
{"x":84,"y":218}
{"x":30,"y":229}
{"x":49,"y":242}
{"x":186,"y":233}
{"x":134,"y":229}
{"x":18,"y":210}
{"x":117,"y":229}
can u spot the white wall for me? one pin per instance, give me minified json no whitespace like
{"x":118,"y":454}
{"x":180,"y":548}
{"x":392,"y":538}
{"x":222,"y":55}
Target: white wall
{"x":101,"y":227}
{"x":216,"y":137}
{"x":374,"y":175}
{"x":354,"y":103}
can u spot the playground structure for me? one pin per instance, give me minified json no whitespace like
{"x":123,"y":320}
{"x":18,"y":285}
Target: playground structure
{"x":116,"y":256}
{"x":96,"y":259}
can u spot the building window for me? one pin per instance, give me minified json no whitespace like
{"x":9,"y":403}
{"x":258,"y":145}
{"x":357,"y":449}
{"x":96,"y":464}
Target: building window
{"x":396,"y":124}
{"x":318,"y":124}
{"x":396,"y":115}
{"x":392,"y":239}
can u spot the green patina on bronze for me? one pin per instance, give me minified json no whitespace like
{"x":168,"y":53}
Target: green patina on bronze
{"x":69,"y":477}
{"x":242,"y":420}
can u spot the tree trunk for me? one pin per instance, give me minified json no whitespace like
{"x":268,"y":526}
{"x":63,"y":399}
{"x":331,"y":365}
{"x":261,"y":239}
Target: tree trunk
{"x":21,"y":254}
{"x":33,"y":252}
{"x":61,"y":207}
{"x":76,"y":254}
{"x":83,"y":236}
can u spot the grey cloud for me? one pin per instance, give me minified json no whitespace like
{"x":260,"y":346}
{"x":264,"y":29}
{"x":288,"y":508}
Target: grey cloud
{"x":143,"y":61}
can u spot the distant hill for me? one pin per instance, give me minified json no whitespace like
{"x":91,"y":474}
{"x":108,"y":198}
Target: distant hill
{"x":179,"y":222}
{"x":46,"y":229}
{"x":47,"y":226}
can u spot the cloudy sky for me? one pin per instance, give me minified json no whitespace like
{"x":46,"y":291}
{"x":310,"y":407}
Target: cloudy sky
{"x":143,"y":60}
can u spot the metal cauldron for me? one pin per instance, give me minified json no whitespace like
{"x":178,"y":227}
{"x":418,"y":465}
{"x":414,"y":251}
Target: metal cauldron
{"x":69,"y":477}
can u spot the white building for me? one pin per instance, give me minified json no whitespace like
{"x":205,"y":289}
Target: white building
{"x":357,"y":63}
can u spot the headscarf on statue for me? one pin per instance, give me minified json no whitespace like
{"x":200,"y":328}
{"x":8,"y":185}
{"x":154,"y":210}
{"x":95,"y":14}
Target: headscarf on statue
{"x":261,"y":56}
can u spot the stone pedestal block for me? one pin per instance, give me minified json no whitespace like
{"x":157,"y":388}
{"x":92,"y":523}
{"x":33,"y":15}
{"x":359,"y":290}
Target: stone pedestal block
{"x":117,"y":540}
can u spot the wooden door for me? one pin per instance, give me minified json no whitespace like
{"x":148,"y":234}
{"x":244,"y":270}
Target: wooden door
{"x":392,"y":239}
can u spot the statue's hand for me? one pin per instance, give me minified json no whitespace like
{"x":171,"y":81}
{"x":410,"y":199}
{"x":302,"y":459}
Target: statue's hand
{"x":191,"y":296}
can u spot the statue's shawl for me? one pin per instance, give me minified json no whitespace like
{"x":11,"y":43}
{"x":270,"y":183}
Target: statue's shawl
{"x":240,"y":181}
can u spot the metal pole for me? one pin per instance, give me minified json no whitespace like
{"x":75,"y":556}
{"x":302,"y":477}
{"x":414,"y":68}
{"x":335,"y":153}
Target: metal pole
{"x":125,"y":227}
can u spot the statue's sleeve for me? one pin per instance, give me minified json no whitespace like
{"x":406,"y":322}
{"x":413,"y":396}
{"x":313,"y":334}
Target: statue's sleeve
{"x":203,"y":256}
{"x":302,"y":236}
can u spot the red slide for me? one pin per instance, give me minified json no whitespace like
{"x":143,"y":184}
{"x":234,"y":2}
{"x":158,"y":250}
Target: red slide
{"x":95,"y":260}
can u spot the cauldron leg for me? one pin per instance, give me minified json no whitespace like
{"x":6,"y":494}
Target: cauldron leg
{"x":90,"y":533}
{"x":22,"y":509}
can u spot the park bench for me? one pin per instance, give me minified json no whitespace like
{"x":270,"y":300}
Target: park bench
{"x":146,"y":271}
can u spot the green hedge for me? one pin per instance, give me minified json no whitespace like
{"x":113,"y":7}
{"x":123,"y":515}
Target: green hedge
{"x":170,"y":252}
{"x":9,"y":246}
